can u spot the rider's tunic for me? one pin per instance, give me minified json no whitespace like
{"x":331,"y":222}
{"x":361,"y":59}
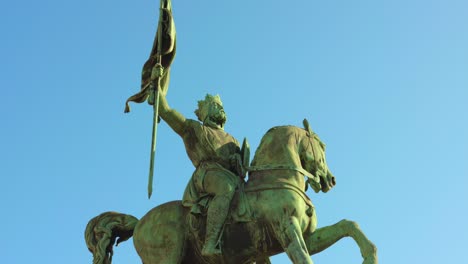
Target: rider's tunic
{"x":210,"y":151}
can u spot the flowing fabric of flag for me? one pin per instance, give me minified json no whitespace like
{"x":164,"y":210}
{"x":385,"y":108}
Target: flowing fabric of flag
{"x":166,"y":31}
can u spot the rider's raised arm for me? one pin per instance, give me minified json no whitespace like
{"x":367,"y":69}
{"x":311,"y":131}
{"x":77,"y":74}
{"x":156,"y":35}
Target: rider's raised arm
{"x":172,"y":117}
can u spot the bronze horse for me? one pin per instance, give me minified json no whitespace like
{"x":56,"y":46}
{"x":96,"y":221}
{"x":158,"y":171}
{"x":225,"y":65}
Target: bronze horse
{"x":283,"y":218}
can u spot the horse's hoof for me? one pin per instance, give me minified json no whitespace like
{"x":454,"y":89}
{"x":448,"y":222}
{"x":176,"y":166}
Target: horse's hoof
{"x":208,"y":251}
{"x":370,"y":260}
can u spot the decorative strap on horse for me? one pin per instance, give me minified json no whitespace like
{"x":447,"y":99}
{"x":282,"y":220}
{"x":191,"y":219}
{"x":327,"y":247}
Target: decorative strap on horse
{"x":284,"y":167}
{"x":281,"y":186}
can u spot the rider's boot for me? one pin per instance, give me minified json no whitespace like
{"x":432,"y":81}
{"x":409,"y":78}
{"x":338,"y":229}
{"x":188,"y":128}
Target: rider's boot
{"x":217,"y":213}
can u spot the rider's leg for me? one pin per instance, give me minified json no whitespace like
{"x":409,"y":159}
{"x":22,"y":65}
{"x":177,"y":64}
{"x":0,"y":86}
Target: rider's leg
{"x":223,"y":190}
{"x":324,"y":237}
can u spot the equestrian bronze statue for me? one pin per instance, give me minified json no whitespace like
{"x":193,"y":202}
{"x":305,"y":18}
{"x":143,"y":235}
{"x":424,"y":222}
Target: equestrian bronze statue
{"x":233,"y":210}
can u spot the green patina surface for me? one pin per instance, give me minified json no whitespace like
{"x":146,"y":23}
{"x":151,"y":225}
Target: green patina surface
{"x":223,"y":215}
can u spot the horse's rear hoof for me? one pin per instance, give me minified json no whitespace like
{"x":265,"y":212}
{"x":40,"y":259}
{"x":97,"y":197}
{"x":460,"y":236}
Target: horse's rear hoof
{"x":209,"y":251}
{"x":370,"y":260}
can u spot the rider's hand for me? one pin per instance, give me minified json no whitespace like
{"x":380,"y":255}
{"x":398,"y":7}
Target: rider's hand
{"x":157,"y":71}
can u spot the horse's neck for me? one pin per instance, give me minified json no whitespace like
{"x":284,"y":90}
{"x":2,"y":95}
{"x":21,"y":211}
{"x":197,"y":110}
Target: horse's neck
{"x":281,"y":169}
{"x":277,"y":160}
{"x":284,"y":153}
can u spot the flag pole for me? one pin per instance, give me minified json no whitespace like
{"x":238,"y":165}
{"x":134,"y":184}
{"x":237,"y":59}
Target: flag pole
{"x":155,"y":86}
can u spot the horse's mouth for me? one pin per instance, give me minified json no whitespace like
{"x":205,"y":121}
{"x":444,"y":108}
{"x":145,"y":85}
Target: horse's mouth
{"x":327,"y":182}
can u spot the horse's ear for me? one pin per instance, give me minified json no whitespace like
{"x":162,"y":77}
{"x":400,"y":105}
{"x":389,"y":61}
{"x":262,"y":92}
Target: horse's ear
{"x":307,"y":127}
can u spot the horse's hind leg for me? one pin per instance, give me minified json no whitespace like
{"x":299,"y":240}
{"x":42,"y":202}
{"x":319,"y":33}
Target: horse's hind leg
{"x":163,"y":249}
{"x":159,"y":236}
{"x":290,"y":238}
{"x":324,"y":237}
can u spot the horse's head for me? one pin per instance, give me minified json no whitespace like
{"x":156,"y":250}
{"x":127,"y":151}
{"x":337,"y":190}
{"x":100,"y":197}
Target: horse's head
{"x":313,"y":160}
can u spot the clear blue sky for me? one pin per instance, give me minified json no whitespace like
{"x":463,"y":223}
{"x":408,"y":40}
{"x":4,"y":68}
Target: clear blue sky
{"x":384,"y":83}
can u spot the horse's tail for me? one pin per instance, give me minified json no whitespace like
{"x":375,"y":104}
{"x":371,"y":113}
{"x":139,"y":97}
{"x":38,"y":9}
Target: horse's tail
{"x":103,"y":230}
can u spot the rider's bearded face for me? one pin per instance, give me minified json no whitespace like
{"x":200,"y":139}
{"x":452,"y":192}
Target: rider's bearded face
{"x":216,"y":114}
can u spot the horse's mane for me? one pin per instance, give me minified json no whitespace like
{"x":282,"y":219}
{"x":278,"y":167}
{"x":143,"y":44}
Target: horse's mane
{"x":283,"y":126}
{"x":315,"y":136}
{"x":279,"y":138}
{"x":281,"y":144}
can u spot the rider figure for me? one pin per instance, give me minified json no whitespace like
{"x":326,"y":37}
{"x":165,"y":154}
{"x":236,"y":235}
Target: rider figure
{"x":216,"y":157}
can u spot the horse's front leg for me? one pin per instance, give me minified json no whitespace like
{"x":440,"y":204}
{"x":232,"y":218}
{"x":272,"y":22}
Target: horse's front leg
{"x":324,"y":237}
{"x":290,"y":237}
